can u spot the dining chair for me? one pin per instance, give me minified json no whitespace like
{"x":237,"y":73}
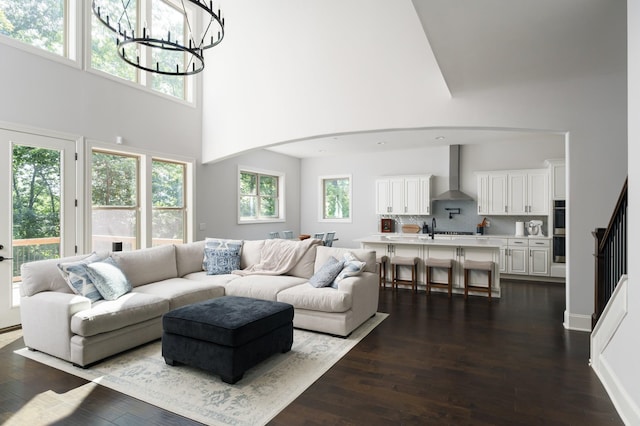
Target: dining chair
{"x":319,"y":235}
{"x":288,"y":235}
{"x":328,"y":238}
{"x":274,"y":234}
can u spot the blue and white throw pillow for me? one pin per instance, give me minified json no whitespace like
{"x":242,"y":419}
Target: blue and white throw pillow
{"x":109,"y":279}
{"x":78,"y":279}
{"x":221,"y":256}
{"x":352,"y":267}
{"x":327,"y":273}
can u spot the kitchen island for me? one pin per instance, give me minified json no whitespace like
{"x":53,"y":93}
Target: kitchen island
{"x":457,"y":249}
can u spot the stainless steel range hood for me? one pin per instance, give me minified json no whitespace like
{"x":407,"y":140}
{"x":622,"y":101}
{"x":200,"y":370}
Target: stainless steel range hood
{"x":454,"y":193}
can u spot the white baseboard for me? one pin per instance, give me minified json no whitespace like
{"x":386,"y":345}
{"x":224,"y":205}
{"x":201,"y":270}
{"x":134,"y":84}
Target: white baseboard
{"x":625,"y":405}
{"x":607,"y":326}
{"x":577,"y":322}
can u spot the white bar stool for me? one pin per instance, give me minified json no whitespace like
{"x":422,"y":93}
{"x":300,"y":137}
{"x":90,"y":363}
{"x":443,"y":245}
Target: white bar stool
{"x":439,"y":263}
{"x":404,"y":261}
{"x":472,"y":265}
{"x":381,"y":261}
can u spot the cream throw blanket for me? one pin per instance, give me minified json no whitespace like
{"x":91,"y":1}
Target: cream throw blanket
{"x":279,"y":256}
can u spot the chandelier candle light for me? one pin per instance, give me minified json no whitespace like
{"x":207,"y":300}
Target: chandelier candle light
{"x":167,"y":56}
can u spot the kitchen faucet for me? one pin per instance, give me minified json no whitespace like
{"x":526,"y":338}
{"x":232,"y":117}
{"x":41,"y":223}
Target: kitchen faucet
{"x":433,"y":228}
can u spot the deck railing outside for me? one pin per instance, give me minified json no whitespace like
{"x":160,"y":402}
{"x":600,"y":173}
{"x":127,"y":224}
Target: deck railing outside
{"x":32,"y":249}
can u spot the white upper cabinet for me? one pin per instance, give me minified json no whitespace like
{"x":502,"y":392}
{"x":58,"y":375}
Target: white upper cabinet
{"x":558,"y":180}
{"x":412,"y":195}
{"x":498,"y":193}
{"x":514,"y":192}
{"x":518,"y":201}
{"x":425,"y":195}
{"x":538,"y":193}
{"x":483,"y":192}
{"x":403,"y":195}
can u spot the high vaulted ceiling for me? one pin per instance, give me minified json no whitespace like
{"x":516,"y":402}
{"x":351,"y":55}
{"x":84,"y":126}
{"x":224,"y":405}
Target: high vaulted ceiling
{"x":481,"y":45}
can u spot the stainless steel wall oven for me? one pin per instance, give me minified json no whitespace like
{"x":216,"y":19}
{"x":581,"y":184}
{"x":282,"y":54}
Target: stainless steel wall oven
{"x":559,"y":231}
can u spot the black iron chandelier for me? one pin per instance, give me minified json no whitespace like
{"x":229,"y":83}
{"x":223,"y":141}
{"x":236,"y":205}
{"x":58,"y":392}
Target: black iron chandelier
{"x":167,"y":54}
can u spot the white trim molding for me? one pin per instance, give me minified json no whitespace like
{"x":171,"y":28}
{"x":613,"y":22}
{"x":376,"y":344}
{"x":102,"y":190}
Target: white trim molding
{"x":577,"y":322}
{"x":607,"y":326}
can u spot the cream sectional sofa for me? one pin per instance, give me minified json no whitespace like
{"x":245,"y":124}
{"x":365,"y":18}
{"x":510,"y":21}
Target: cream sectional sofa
{"x":58,"y":322}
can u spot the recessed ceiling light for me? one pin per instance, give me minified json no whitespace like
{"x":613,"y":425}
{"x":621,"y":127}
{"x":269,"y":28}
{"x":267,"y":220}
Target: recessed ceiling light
{"x":439,"y":138}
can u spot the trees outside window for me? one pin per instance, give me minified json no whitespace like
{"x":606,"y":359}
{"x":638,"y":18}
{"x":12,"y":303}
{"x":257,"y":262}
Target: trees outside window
{"x":39,"y":23}
{"x":165,"y":17}
{"x":114,"y":200}
{"x":335,"y":198}
{"x":260,"y":196}
{"x":169,"y":207}
{"x":138,"y":213}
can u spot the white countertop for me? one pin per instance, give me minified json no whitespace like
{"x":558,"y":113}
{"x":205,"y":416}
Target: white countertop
{"x":424,"y":239}
{"x":455,"y":236}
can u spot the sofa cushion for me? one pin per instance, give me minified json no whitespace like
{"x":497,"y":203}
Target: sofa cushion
{"x":304,"y":267}
{"x":352,"y":267}
{"x":222,"y":260}
{"x":78,"y":278}
{"x":181,"y":291}
{"x":251,"y":253}
{"x":44,"y":275}
{"x":265,"y":287}
{"x":327,"y":273}
{"x":367,"y":256}
{"x":189,"y":257}
{"x":148,"y":265}
{"x":108,"y":315}
{"x":221,"y":280}
{"x":108,"y":279}
{"x":324,"y":299}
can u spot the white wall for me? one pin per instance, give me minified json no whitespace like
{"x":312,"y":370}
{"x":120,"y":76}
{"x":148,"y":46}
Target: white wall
{"x":430,"y":160}
{"x":289,"y":69}
{"x":218,"y":196}
{"x":622,"y":353}
{"x":50,"y":95}
{"x":263,"y":93}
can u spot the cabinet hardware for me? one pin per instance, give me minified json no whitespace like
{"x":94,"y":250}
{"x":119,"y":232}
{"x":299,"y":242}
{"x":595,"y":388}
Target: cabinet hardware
{"x":505,"y":209}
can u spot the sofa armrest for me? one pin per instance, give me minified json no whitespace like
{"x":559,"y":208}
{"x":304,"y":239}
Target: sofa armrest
{"x":364,"y":291}
{"x":46,"y":321}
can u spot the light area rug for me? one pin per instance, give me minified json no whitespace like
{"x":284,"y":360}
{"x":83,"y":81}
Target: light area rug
{"x":264,"y":391}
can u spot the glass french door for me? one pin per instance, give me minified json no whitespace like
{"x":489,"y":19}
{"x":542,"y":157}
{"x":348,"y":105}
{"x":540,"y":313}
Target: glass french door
{"x":37,"y":209}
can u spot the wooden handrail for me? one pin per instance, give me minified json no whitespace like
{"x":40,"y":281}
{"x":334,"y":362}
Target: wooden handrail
{"x":622,"y":201}
{"x":610,"y":255}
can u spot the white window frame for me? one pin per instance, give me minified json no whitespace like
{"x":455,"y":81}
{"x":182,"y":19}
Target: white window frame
{"x":144,"y":78}
{"x":321,"y":198}
{"x":281,"y":195}
{"x":145,"y":194}
{"x":72,"y":55}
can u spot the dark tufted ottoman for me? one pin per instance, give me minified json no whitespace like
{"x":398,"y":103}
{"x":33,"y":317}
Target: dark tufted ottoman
{"x":227,"y":335}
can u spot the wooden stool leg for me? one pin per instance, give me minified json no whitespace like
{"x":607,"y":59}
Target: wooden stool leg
{"x":450,"y":278}
{"x":489,"y":289}
{"x":393,"y":276}
{"x":414,"y":280}
{"x":466,"y":283}
{"x":428,"y":281}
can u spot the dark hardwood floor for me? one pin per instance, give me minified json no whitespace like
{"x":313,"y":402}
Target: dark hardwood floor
{"x":432,"y":361}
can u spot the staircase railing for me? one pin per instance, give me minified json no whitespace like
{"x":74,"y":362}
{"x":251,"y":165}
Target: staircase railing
{"x":610,"y":255}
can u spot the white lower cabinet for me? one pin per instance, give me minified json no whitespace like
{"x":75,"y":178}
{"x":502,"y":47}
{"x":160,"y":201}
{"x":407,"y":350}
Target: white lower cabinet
{"x":517,"y":256}
{"x":539,"y":257}
{"x":527,"y":256}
